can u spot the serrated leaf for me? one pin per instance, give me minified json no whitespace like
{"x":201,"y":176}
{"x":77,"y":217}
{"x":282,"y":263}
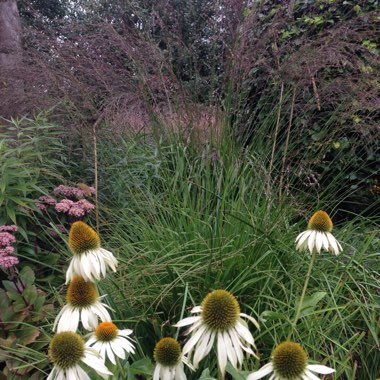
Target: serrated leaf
{"x":10,"y":287}
{"x":4,"y":302}
{"x":27,"y":275}
{"x":27,"y":335}
{"x":30,"y":294}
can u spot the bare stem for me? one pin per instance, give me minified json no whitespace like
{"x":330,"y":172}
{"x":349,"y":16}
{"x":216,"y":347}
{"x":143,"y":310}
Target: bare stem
{"x":96,"y":173}
{"x":275,"y":138}
{"x":287,"y":141}
{"x":299,"y":307}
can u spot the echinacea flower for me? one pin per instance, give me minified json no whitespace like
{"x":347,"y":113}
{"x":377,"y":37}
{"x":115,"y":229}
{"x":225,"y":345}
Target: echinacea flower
{"x":90,"y":260}
{"x":169,"y":360}
{"x":318,"y":235}
{"x":219,"y":318}
{"x":67,"y":351}
{"x":109,"y":341}
{"x":289,"y":362}
{"x":83,"y":304}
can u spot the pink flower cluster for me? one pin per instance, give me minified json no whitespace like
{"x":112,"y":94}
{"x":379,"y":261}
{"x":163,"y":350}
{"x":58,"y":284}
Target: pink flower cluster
{"x":74,"y":192}
{"x":76,"y":209}
{"x":74,"y":204}
{"x":6,"y":248}
{"x":45,"y":201}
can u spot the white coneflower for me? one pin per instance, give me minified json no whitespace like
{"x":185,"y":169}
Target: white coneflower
{"x":169,"y":360}
{"x":67,"y":351}
{"x":289,"y":362}
{"x":109,"y":341}
{"x":90,"y":260}
{"x":83,"y":304}
{"x":318,"y":235}
{"x":219,"y":318}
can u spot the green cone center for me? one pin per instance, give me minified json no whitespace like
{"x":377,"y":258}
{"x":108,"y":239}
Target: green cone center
{"x":167,"y":352}
{"x":289,"y":360}
{"x":220,"y":310}
{"x":66,"y":349}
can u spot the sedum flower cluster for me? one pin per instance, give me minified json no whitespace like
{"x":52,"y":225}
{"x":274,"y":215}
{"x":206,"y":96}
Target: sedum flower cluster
{"x":74,"y":203}
{"x":7,"y":239}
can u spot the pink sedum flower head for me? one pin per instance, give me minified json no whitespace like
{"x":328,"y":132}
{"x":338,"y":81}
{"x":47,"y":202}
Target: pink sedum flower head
{"x":10,"y":228}
{"x":6,"y":249}
{"x":8,"y":261}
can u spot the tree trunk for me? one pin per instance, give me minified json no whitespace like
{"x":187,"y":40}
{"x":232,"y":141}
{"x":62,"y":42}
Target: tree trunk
{"x":11,"y":84}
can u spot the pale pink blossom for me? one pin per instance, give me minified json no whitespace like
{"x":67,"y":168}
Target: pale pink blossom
{"x":64,"y":205}
{"x":85,"y":205}
{"x":8,"y":261}
{"x":47,"y":200}
{"x":76,"y":211}
{"x":41,"y":206}
{"x":6,"y":239}
{"x":6,"y":251}
{"x":10,"y":228}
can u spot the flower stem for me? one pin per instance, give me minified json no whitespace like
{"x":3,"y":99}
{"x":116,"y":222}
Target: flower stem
{"x":299,"y":307}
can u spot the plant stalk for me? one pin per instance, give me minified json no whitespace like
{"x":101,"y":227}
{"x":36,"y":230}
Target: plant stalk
{"x":299,"y":307}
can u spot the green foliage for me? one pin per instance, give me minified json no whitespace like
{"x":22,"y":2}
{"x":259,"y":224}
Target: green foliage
{"x":23,"y":310}
{"x":332,"y":121}
{"x":30,"y":157}
{"x":185,"y":220}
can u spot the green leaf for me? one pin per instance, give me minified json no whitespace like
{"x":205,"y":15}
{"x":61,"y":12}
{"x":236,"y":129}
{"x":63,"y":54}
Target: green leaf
{"x":234,"y":373}
{"x":272,"y":315}
{"x":30,"y":294}
{"x":11,"y":213}
{"x":27,"y":276}
{"x":10,"y":287}
{"x":310,"y":303}
{"x":142,"y":367}
{"x":206,"y":375}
